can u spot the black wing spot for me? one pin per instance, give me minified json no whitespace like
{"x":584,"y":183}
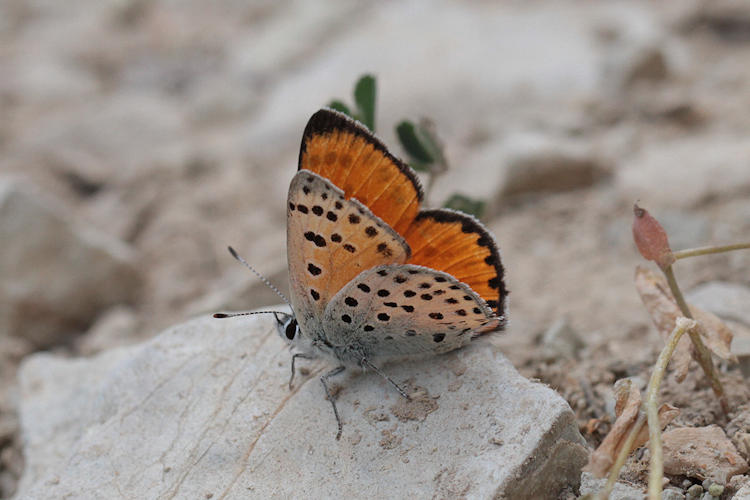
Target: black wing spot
{"x":408,"y":308}
{"x":364,"y":287}
{"x":320,"y":241}
{"x":435,"y":316}
{"x":451,"y":300}
{"x":317,"y":210}
{"x":351,"y":302}
{"x":383,"y":293}
{"x":336,"y":238}
{"x":324,"y":195}
{"x":425,"y":296}
{"x":349,"y":248}
{"x":438,"y":292}
{"x":310,"y":236}
{"x":461,"y":312}
{"x":291,"y":206}
{"x":409,"y":293}
{"x":306,"y":190}
{"x":410,"y":333}
{"x":425,"y":285}
{"x":477,"y":310}
{"x":382,"y":272}
{"x":346,"y":318}
{"x":383,"y":249}
{"x":388,"y":337}
{"x":354,"y":219}
{"x":371,"y":231}
{"x":338,"y":205}
{"x":313,"y":269}
{"x":302,"y":208}
{"x":441,"y":279}
{"x":400,"y":279}
{"x":412,"y":271}
{"x":368,"y":328}
{"x":332,"y":216}
{"x":438,"y":337}
{"x":383,"y":317}
{"x":455,"y":287}
{"x":390,"y":304}
{"x":315,"y":295}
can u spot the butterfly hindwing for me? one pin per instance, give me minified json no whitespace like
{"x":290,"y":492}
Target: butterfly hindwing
{"x":406,"y":309}
{"x":330,"y":240}
{"x":461,"y":246}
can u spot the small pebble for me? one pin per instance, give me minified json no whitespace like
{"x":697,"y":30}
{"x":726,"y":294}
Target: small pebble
{"x":670,"y":494}
{"x":716,"y":489}
{"x":694,"y":491}
{"x":707,"y":483}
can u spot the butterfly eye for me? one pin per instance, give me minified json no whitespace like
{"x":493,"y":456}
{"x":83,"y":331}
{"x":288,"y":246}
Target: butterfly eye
{"x":291,"y":329}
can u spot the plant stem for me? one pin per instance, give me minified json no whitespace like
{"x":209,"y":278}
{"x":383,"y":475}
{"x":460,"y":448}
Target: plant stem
{"x":693,"y":252}
{"x":656,"y":469}
{"x":703,"y":354}
{"x":625,"y":450}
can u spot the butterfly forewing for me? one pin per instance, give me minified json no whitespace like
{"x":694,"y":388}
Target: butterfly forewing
{"x":406,"y":309}
{"x":352,"y":158}
{"x":330,"y":240}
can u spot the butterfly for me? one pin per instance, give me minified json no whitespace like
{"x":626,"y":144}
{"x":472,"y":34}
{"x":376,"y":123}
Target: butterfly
{"x":372,"y":274}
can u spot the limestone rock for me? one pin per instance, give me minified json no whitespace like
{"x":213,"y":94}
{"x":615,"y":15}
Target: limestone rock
{"x":204,"y":409}
{"x":702,"y":452}
{"x":537,"y":164}
{"x":56,"y":275}
{"x":727,"y":300}
{"x":591,"y":485}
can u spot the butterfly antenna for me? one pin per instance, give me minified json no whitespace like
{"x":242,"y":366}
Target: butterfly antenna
{"x":232,"y":315}
{"x":262,"y":278}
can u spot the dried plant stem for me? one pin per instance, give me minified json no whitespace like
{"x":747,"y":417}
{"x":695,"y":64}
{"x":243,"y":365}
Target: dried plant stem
{"x":703,"y":354}
{"x":625,"y":450}
{"x":656,"y":469}
{"x":694,"y":252}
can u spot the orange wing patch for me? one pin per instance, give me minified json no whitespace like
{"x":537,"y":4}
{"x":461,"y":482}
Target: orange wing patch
{"x":348,"y":155}
{"x":459,"y":245}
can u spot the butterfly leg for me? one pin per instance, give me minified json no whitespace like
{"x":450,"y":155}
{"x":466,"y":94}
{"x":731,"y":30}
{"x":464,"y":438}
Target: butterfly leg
{"x":374,"y":368}
{"x":294,"y":358}
{"x":324,"y":380}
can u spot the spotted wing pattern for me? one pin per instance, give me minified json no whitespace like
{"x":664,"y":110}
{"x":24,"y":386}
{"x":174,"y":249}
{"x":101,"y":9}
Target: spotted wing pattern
{"x":330,"y":240}
{"x":406,"y":309}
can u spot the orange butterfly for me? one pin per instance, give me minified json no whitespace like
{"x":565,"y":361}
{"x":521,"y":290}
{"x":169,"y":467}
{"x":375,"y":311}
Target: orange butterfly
{"x":371,"y":274}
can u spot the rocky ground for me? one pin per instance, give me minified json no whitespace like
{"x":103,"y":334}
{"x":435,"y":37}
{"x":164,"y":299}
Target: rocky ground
{"x":138,"y":139}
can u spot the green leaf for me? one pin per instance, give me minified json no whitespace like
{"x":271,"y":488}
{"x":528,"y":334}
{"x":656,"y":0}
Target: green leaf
{"x":427,"y":136}
{"x":419,"y":166}
{"x":413,"y":146}
{"x":364,"y":98}
{"x":465,"y":204}
{"x":340,"y":106}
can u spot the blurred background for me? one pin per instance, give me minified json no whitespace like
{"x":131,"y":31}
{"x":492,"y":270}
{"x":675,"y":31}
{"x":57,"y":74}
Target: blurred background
{"x":139,"y":138}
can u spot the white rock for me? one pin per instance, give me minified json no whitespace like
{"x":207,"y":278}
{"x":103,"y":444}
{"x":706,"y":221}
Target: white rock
{"x":203,"y":409}
{"x":591,"y":485}
{"x":56,"y":275}
{"x":705,"y":173}
{"x":726,"y":300}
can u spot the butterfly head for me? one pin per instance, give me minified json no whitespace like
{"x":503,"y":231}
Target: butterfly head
{"x":287,"y":327}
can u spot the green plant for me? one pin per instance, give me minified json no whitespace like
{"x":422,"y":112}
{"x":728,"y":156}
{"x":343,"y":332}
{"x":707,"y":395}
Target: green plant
{"x":422,"y":147}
